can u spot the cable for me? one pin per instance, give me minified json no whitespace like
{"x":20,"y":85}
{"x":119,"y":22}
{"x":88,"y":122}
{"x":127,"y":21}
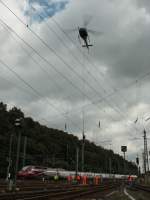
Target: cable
{"x":118,"y":111}
{"x":59,"y":26}
{"x":87,"y":58}
{"x":132,"y":83}
{"x":44,"y":59}
{"x":52,"y":50}
{"x":38,"y":64}
{"x":17,"y":35}
{"x":33,"y":89}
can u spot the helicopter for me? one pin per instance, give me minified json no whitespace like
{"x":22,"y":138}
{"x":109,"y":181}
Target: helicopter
{"x":83,"y":33}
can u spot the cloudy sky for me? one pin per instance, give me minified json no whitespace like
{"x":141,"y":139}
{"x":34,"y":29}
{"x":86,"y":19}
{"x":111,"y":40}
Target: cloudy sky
{"x":46,"y":72}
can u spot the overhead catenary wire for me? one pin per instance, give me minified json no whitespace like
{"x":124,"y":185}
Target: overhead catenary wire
{"x":104,"y":98}
{"x":84,"y":80}
{"x":94,"y":103}
{"x":32,"y":88}
{"x":46,"y":72}
{"x":52,"y":50}
{"x":30,"y":55}
{"x":85,"y":56}
{"x":50,"y":64}
{"x":127,"y":86}
{"x":49,"y":47}
{"x":34,"y":60}
{"x":45,"y":43}
{"x":14,"y":32}
{"x":46,"y":61}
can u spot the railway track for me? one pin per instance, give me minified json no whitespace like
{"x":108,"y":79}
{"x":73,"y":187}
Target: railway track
{"x":29,"y":186}
{"x":58,"y":194}
{"x":142,"y":187}
{"x":36,"y":185}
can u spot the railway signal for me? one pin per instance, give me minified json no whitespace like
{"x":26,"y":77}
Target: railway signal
{"x":124,"y":150}
{"x":18,"y":125}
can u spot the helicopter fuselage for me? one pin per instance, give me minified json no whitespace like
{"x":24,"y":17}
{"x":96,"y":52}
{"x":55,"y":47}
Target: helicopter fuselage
{"x":83,"y":33}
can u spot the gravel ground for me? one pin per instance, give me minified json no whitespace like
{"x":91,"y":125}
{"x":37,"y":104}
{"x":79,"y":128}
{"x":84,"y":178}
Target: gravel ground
{"x":108,"y":195}
{"x":118,"y":194}
{"x":139,"y":195}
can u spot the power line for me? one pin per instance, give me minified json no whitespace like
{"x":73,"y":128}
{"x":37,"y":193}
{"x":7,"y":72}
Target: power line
{"x":69,"y":66}
{"x":86,"y":57}
{"x":72,"y":69}
{"x":46,"y":60}
{"x":28,"y":44}
{"x":56,"y":54}
{"x":59,"y":26}
{"x":51,"y":49}
{"x":31,"y":87}
{"x":50,"y":78}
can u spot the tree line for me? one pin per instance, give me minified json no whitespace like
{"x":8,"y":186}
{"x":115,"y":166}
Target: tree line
{"x":51,"y":147}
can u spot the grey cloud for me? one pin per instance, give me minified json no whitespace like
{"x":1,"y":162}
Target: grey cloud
{"x":117,"y":58}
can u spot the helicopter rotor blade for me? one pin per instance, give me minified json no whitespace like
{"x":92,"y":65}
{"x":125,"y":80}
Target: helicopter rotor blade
{"x":71,"y":30}
{"x":96,"y":33}
{"x":87,"y":19}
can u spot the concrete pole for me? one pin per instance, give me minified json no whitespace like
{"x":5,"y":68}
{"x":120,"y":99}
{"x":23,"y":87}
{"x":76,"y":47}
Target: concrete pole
{"x":110,"y":170}
{"x":17,"y":158}
{"x":124,"y":163}
{"x":77,"y":160}
{"x":24,"y":151}
{"x":83,"y":145}
{"x":9,"y":158}
{"x":146,"y":160}
{"x":67,"y":156}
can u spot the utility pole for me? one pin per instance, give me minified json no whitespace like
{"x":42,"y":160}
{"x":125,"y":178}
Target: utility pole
{"x":110,"y":170}
{"x":9,"y":171}
{"x":83,"y":145}
{"x":124,"y":150}
{"x":77,"y":160}
{"x":24,"y":151}
{"x":146,"y":161}
{"x":144,"y":164}
{"x":18,"y":125}
{"x":9,"y":158}
{"x":124,"y":155}
{"x":137,"y":163}
{"x":67,"y":156}
{"x":118,"y":164}
{"x":110,"y":162}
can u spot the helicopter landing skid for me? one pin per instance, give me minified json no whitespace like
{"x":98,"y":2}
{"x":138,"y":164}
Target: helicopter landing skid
{"x":89,"y":45}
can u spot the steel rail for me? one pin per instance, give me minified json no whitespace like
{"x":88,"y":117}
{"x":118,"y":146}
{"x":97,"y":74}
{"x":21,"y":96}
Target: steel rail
{"x":142,"y":187}
{"x":58,"y":195}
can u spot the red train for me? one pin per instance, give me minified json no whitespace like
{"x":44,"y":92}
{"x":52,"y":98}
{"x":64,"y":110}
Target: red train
{"x":31,"y":172}
{"x":39,"y":172}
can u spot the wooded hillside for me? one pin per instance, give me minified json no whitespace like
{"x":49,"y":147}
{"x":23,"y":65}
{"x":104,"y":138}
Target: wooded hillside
{"x":52,"y":148}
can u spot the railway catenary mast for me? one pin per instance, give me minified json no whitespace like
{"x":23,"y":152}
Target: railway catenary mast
{"x":145,"y":154}
{"x":83,"y":145}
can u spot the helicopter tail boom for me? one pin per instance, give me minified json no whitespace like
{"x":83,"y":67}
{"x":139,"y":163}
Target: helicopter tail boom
{"x":89,"y":45}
